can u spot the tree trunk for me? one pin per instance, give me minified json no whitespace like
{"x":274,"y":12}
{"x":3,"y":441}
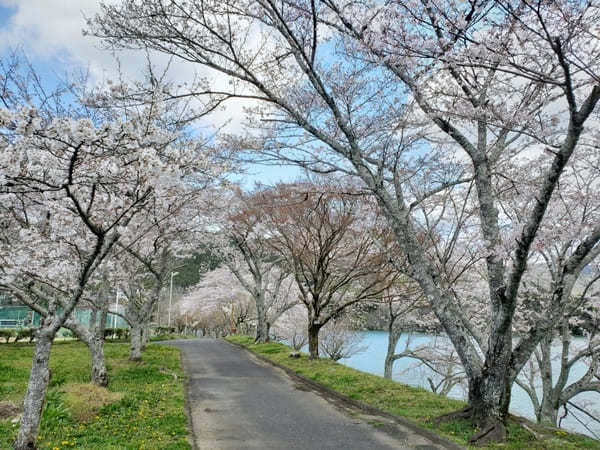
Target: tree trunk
{"x":389,"y":362}
{"x":262,"y":330}
{"x":393,"y":338}
{"x":144,"y":336}
{"x":99,"y":372}
{"x":36,"y":393}
{"x":313,"y":341}
{"x":102,"y":323}
{"x":135,"y":347}
{"x":548,"y":414}
{"x":93,"y":320}
{"x":487,"y":408}
{"x":95,"y":344}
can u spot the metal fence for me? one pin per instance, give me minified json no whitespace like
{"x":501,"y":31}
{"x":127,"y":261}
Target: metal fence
{"x":18,"y":316}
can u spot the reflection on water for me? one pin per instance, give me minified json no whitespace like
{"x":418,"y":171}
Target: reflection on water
{"x":371,"y":360}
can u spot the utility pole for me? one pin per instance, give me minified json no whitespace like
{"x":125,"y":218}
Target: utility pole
{"x":114,"y":315}
{"x":158,"y":312}
{"x":171,"y":297}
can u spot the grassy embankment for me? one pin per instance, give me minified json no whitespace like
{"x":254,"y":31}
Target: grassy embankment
{"x":143,"y":407}
{"x":415,"y":404}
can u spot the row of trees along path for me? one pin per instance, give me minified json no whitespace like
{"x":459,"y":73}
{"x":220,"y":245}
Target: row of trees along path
{"x":417,"y":98}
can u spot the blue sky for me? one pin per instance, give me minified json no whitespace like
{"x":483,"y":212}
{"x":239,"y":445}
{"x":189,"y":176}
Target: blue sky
{"x":5,"y":13}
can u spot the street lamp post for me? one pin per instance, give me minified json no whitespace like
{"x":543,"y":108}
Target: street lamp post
{"x":114,"y":315}
{"x":171,"y":297}
{"x":158,"y":312}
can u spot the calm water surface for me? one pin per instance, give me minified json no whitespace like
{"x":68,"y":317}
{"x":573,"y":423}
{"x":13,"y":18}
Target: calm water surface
{"x":372,"y":358}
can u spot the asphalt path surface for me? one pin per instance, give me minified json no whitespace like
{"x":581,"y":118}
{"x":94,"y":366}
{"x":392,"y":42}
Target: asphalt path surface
{"x":236,"y":401}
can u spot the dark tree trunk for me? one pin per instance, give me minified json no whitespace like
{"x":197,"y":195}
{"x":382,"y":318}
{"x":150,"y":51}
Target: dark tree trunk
{"x":548,"y":413}
{"x":313,"y":341}
{"x":36,"y":393}
{"x":262,"y":327}
{"x":488,"y":408}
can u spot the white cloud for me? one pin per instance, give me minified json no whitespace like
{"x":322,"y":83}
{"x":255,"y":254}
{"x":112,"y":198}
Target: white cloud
{"x":50,"y":32}
{"x":47,"y":28}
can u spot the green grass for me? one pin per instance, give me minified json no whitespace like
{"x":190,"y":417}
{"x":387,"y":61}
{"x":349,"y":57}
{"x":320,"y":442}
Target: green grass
{"x":148,"y":411}
{"x":416,"y":404}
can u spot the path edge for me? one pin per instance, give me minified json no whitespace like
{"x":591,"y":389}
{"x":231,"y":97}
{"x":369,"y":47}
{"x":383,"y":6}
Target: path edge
{"x":191,"y":437}
{"x":365,"y":407}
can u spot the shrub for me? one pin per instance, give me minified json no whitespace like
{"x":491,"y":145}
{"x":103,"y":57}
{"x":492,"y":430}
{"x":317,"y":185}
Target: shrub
{"x":164,"y":330}
{"x":25,"y":333}
{"x":65,"y":333}
{"x":6,"y":333}
{"x":119,"y":333}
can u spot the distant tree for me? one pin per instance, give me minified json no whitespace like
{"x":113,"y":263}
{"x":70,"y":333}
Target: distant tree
{"x":321,"y":235}
{"x":339,"y":340}
{"x":292,"y":327}
{"x":191,"y":269}
{"x":245,"y":248}
{"x":219,"y":293}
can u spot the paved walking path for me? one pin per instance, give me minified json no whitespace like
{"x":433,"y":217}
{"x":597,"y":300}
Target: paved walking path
{"x":238,"y":402}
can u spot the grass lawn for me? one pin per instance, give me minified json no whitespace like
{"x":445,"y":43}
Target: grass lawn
{"x":143,"y":407}
{"x":413,"y":403}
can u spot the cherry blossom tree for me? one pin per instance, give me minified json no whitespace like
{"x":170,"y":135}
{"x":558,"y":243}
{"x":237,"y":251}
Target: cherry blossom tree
{"x":347,"y":86}
{"x":68,"y":190}
{"x":548,"y":378}
{"x":170,"y":226}
{"x":71,"y":188}
{"x":404,"y":310}
{"x":488,"y":85}
{"x":219,"y":295}
{"x":163,"y":233}
{"x":573,"y":213}
{"x":249,"y":256}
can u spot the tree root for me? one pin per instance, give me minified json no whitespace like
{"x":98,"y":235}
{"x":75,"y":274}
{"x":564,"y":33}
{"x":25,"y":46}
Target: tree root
{"x":463,"y":414}
{"x":490,"y":429}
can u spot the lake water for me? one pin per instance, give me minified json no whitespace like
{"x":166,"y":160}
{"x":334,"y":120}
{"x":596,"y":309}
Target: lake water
{"x":372,"y":359}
